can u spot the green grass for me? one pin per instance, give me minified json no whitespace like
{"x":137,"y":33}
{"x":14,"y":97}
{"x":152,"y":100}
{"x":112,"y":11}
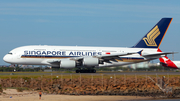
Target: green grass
{"x":35,"y":75}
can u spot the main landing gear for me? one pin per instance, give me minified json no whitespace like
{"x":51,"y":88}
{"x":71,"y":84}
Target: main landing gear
{"x":86,"y":71}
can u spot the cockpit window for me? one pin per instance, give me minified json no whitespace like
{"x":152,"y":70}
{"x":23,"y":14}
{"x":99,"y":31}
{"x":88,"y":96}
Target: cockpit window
{"x":10,"y":53}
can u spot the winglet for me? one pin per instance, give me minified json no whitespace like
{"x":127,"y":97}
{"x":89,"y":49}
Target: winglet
{"x":140,"y":52}
{"x":155,"y":36}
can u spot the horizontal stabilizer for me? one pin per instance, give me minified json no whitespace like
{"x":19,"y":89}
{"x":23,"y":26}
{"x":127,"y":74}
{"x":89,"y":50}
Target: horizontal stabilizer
{"x":158,"y":54}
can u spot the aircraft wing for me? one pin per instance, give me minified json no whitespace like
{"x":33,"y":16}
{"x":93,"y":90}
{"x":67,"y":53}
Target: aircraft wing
{"x":104,"y":57}
{"x":158,"y":54}
{"x":114,"y":55}
{"x":107,"y":56}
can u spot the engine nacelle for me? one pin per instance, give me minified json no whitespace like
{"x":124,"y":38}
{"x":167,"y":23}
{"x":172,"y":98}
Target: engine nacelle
{"x":90,"y":61}
{"x":67,"y":64}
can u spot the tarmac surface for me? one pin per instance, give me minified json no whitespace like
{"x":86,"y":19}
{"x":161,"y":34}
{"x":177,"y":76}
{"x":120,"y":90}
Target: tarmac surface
{"x":98,"y":73}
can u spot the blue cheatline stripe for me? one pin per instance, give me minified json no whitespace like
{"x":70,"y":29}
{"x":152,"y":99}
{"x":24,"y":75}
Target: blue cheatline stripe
{"x":39,"y":56}
{"x":131,"y":58}
{"x":51,"y":56}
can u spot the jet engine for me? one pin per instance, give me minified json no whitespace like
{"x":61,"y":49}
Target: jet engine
{"x":89,"y":61}
{"x":67,"y":64}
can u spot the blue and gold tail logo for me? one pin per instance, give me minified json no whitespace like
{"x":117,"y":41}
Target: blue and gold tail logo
{"x":151,"y":36}
{"x":155,"y":36}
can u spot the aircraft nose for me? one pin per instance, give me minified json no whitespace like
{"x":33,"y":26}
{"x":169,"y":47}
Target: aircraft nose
{"x":5,"y":58}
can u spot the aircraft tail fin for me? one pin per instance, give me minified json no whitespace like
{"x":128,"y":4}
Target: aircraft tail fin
{"x":155,"y":36}
{"x":166,"y":62}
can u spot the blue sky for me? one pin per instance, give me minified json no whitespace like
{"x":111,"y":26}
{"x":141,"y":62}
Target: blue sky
{"x":112,"y":23}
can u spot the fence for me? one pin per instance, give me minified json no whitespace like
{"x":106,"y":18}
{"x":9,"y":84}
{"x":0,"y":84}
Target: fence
{"x":92,"y":84}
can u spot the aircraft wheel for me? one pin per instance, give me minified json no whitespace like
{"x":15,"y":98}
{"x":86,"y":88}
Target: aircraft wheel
{"x":86,"y":71}
{"x":94,"y":71}
{"x":81,"y":71}
{"x":77,"y":71}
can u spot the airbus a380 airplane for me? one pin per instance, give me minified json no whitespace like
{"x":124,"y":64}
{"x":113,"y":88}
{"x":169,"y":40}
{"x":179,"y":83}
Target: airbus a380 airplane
{"x":85,"y":59}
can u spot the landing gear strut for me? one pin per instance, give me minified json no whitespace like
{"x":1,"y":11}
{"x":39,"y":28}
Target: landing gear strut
{"x":86,"y":71}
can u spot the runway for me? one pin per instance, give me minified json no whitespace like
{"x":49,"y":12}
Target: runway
{"x":98,"y":73}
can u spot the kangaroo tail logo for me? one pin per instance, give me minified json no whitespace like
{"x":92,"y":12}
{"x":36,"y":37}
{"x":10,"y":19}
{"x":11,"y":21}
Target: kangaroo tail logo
{"x":151,"y":36}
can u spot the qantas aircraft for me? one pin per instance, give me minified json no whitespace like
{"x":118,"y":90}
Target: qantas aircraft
{"x":85,"y":59}
{"x":166,"y":62}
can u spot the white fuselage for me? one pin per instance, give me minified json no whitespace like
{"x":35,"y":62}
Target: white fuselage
{"x":42,"y":54}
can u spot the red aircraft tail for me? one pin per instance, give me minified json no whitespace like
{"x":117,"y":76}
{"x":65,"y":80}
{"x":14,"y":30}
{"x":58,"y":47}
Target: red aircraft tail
{"x":166,"y":62}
